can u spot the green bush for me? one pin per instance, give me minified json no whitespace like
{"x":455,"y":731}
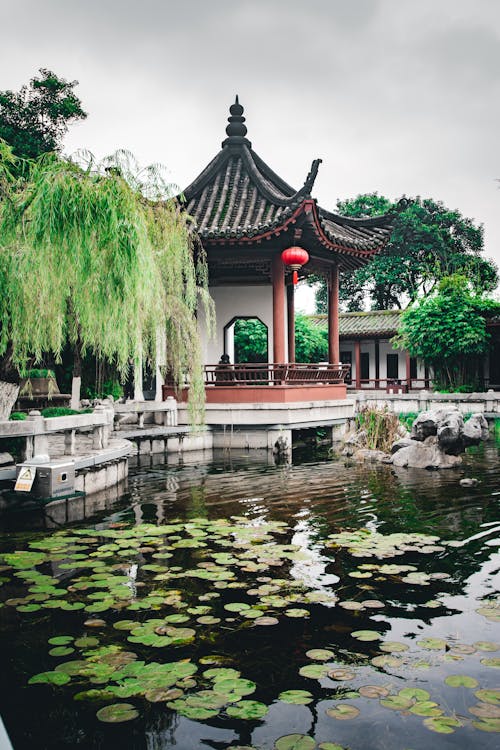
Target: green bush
{"x":18,"y":416}
{"x":62,"y":411}
{"x":408,"y":419}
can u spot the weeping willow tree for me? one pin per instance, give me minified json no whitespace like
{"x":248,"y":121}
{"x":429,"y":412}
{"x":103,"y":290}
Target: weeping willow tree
{"x":95,"y":254}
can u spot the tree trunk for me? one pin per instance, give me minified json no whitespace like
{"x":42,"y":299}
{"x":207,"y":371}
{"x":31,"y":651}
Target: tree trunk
{"x":76,"y":383}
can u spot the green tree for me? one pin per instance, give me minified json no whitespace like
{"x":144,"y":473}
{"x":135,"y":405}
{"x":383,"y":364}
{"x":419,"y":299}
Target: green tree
{"x":251,"y":344}
{"x":311,"y":342}
{"x":95,"y":255}
{"x":428,"y":242}
{"x":35,"y":119}
{"x":448,"y":331}
{"x":250,"y":340}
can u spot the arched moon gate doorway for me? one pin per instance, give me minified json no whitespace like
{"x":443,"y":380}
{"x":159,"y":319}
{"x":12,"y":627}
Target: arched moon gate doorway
{"x":246,"y":339}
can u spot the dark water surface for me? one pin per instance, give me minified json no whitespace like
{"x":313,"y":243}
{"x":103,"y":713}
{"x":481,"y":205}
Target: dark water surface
{"x":314,"y":498}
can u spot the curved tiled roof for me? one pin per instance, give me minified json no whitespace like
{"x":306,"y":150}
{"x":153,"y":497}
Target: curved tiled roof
{"x":363,"y":324}
{"x":239,"y":197}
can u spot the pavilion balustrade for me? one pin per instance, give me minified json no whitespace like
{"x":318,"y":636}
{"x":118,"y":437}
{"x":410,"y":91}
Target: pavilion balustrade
{"x":271,"y":374}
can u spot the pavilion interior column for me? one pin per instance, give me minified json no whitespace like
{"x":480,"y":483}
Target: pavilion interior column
{"x":333,"y":316}
{"x":357,"y":362}
{"x":138,"y":392}
{"x":290,"y":306}
{"x":377,"y":363}
{"x":278,"y":279}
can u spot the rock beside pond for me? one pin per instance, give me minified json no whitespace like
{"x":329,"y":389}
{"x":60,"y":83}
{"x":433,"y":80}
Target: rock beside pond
{"x":402,"y":443}
{"x":448,"y":426}
{"x":372,"y":456}
{"x":6,"y":459}
{"x":426,"y":454}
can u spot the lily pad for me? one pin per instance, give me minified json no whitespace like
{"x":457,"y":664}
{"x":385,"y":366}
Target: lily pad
{"x":396,"y":702}
{"x":49,"y":678}
{"x":489,"y":696}
{"x":117,"y":713}
{"x":296,"y":612}
{"x":251,"y":710}
{"x":319,"y":654}
{"x":486,"y":646}
{"x":373,"y":691}
{"x":295,"y":742}
{"x":414,"y":694}
{"x":61,"y":651}
{"x":60,"y":640}
{"x":393,"y":647}
{"x":432,"y":644}
{"x":366,"y":635}
{"x":341,"y":675}
{"x":426,"y":708}
{"x":442,"y":724}
{"x":265,"y":621}
{"x":485,"y":711}
{"x":487,"y":725}
{"x":343,"y":711}
{"x":461,"y":680}
{"x":314,"y":671}
{"x":493,"y":662}
{"x":296,"y":697}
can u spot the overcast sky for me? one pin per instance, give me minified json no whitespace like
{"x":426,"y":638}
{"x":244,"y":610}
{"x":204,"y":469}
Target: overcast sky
{"x":395,"y":96}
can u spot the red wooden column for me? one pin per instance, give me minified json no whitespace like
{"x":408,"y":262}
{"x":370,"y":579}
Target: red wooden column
{"x":278,"y":279}
{"x":333,"y":317}
{"x":290,"y":308}
{"x":357,"y":363}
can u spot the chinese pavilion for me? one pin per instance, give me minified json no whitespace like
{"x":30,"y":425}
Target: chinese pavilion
{"x":246,"y":216}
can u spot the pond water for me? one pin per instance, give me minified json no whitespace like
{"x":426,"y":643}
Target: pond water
{"x":241,"y":604}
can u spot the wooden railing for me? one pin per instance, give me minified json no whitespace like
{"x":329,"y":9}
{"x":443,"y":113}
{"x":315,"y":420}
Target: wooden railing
{"x":270,"y":374}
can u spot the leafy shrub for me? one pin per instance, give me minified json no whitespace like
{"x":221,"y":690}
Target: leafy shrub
{"x":62,"y":411}
{"x":407,"y":419}
{"x":18,"y":416}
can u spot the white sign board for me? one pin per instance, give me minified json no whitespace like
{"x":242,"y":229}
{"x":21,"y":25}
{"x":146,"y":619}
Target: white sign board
{"x":25,"y":480}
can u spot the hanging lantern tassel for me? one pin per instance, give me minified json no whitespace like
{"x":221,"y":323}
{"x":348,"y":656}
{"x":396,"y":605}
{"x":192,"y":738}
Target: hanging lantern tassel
{"x":295,"y":257}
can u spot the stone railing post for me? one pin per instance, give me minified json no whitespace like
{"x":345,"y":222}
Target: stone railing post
{"x":37,"y":444}
{"x":98,"y":438}
{"x":170,"y":416}
{"x":69,"y":442}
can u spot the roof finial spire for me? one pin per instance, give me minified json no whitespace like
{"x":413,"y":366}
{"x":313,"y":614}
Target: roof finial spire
{"x":236,"y":130}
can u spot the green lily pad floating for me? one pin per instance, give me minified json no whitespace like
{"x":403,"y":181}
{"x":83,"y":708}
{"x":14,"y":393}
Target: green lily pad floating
{"x":485,"y":711}
{"x":489,"y":696}
{"x":296,"y":612}
{"x":432,"y":644}
{"x":341,"y":675}
{"x":221,"y":673}
{"x":330,"y":746}
{"x":343,"y":712}
{"x":487,"y":725}
{"x":236,"y":685}
{"x":442,"y":724}
{"x":208,"y":620}
{"x":126,"y":624}
{"x":296,"y":697}
{"x":486,"y":646}
{"x":366,"y":635}
{"x":86,"y":642}
{"x":426,"y":708}
{"x":414,"y":694}
{"x":94,"y":695}
{"x":314,"y":671}
{"x":319,"y":654}
{"x":491,"y":611}
{"x":373,"y":691}
{"x":95,"y":623}
{"x":249,"y":710}
{"x":372,"y":604}
{"x":461,"y":680}
{"x":386,"y":661}
{"x":295,"y":742}
{"x":393,"y":647}
{"x":493,"y":662}
{"x":61,"y":651}
{"x":117,"y":713}
{"x":49,"y":678}
{"x":351,"y":605}
{"x":236,"y":606}
{"x":396,"y":702}
{"x":162,"y":695}
{"x":60,"y":640}
{"x":463,"y":648}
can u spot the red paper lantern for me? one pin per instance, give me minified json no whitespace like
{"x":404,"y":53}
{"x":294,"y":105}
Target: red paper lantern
{"x":295,"y":257}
